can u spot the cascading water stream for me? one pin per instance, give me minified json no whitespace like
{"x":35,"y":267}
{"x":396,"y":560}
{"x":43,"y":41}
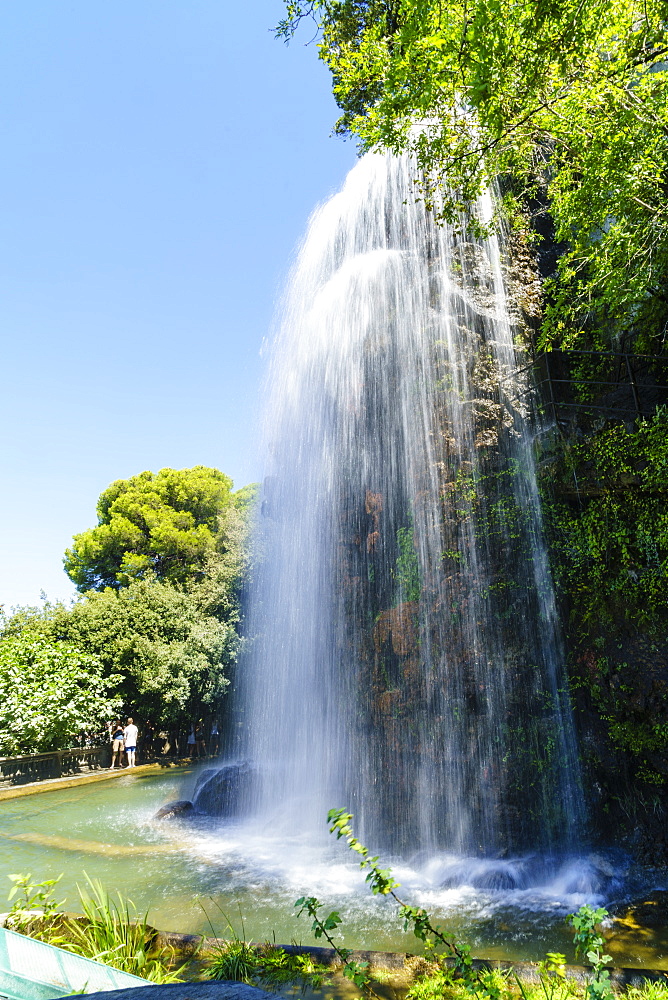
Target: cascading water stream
{"x":406,"y":661}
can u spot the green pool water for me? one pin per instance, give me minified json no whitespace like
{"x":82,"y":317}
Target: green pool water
{"x":191,"y":875}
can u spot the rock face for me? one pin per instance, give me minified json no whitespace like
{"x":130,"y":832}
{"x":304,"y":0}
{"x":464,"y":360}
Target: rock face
{"x":172,"y":809}
{"x":221,"y":791}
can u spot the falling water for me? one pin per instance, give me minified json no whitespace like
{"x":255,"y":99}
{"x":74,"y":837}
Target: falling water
{"x":407,"y":661}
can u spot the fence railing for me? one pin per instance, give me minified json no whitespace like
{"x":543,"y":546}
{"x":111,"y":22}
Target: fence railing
{"x":56,"y":764}
{"x":65,"y":763}
{"x":613,"y":385}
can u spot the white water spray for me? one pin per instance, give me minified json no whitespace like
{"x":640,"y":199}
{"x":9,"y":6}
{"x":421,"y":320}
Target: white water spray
{"x":406,"y":661}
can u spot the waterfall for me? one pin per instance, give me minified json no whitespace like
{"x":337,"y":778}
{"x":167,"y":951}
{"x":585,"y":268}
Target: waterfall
{"x":406,"y":660}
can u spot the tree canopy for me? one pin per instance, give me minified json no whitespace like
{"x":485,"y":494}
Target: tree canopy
{"x":158,"y":622}
{"x":164,"y":524}
{"x":166,"y":653}
{"x":568,"y":97}
{"x":43,"y":703}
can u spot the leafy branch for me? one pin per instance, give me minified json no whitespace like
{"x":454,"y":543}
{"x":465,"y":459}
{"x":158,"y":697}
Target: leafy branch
{"x":480,"y":983}
{"x":381,"y":882}
{"x":589,"y":943}
{"x":355,"y":971}
{"x":37,"y":896}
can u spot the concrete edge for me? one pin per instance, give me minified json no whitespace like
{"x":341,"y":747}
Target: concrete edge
{"x":186,"y":945}
{"x":52,"y":784}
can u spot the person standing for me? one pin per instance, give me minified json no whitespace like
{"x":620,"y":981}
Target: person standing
{"x":130,"y":733}
{"x":200,"y":739}
{"x":117,"y":744}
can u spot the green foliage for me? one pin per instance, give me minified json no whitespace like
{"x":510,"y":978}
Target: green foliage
{"x":155,"y":641}
{"x":443,"y":983}
{"x":111,"y":931}
{"x":552,"y":972}
{"x":278,"y":967}
{"x":609,"y":553}
{"x":648,"y":991}
{"x":114,"y":933}
{"x":238,"y":960}
{"x":589,"y":944}
{"x":43,"y":703}
{"x":263,"y":965}
{"x":408,"y":567}
{"x":235,"y":960}
{"x":613,"y":548}
{"x":36,"y":895}
{"x":356,"y":972}
{"x":163,"y":524}
{"x":459,"y":976}
{"x":169,"y":646}
{"x":567,"y":96}
{"x":381,"y":882}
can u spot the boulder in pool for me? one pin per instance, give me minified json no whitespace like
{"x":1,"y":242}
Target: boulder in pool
{"x":222,"y":791}
{"x":172,"y":809}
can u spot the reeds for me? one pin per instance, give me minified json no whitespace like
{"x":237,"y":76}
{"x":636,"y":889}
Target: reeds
{"x":113,"y":932}
{"x":266,"y":964}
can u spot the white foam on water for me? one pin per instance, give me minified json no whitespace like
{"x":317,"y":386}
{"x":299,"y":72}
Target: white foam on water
{"x":287,"y":866}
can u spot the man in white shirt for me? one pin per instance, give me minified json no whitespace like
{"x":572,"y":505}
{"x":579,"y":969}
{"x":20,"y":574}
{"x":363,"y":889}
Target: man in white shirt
{"x":130,"y":733}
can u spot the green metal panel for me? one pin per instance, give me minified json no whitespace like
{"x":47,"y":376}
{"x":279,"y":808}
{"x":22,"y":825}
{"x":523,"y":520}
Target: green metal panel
{"x":33,"y":970}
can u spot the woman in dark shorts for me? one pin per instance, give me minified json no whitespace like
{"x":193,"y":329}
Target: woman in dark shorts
{"x":117,"y":744}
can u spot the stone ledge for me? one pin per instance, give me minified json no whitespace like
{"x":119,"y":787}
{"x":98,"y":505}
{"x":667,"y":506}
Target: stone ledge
{"x":186,"y":945}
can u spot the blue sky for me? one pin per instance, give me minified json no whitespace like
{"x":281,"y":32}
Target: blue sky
{"x":160,"y":162}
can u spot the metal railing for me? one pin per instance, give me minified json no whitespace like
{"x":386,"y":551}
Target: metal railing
{"x":29,"y":768}
{"x":620,"y":385}
{"x":56,"y":764}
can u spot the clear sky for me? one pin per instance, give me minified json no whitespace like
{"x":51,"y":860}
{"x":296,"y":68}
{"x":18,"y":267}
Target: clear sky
{"x":160,"y":161}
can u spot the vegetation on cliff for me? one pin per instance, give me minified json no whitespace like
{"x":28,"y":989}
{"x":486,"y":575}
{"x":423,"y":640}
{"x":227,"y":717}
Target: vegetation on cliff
{"x":614,"y":539}
{"x":565,"y":103}
{"x":606,"y":506}
{"x":567,"y":98}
